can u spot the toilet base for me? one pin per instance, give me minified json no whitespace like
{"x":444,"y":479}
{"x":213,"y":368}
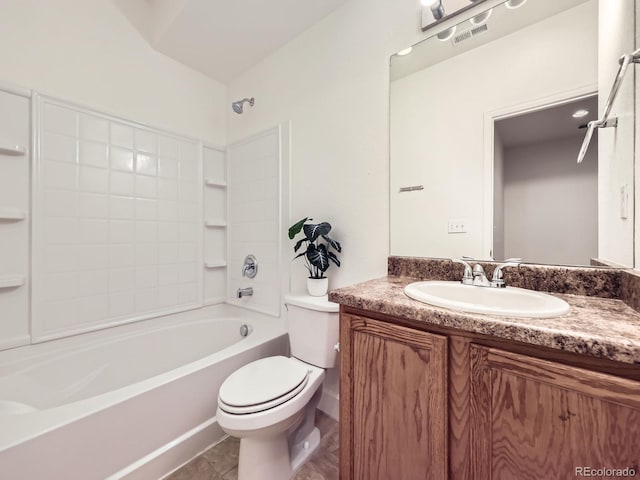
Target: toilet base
{"x":272,"y":457}
{"x":300,"y":452}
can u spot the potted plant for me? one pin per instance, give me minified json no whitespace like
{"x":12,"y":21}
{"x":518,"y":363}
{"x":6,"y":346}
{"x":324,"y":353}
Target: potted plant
{"x":317,"y":254}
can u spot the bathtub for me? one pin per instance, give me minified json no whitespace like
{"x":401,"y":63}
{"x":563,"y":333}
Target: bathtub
{"x":135,"y":401}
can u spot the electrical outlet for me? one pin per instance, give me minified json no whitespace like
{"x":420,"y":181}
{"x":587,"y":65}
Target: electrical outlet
{"x":458,"y":225}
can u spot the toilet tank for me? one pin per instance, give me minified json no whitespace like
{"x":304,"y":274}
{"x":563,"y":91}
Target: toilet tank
{"x":313,"y":329}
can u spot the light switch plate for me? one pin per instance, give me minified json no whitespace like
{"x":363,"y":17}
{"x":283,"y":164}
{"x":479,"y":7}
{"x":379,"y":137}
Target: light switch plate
{"x":624,"y":201}
{"x":457,"y":225}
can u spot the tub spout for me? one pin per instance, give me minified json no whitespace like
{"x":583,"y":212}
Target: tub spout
{"x":244,"y":292}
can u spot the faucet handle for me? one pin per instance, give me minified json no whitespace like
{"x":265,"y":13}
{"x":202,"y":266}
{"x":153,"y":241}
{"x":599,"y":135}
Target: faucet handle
{"x":498,"y":277}
{"x":467,"y":276}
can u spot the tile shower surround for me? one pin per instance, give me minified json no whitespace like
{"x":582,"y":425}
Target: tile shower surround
{"x":117,"y":231}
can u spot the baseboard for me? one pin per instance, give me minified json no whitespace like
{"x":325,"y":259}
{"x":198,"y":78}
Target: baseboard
{"x":168,"y":458}
{"x":330,"y":404}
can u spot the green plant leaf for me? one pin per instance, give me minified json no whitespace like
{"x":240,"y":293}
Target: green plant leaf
{"x":333,"y":243}
{"x":333,"y":258}
{"x":314,"y":231}
{"x":296,"y":227}
{"x":299,"y":244}
{"x":318,"y":256}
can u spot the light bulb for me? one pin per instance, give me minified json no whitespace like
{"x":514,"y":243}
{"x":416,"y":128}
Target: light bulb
{"x":406,"y":51}
{"x":512,"y":4}
{"x":481,"y":18}
{"x":446,"y":34}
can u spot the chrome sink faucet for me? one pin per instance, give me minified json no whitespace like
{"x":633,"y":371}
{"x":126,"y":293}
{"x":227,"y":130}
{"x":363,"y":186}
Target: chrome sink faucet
{"x":476,"y":276}
{"x":479,"y":277}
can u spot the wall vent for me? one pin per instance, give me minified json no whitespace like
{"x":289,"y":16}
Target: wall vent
{"x":469,"y":34}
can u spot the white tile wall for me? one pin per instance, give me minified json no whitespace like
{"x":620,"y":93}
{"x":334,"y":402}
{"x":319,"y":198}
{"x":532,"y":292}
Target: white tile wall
{"x":14,"y":236}
{"x":118,"y":211}
{"x":254,"y":225}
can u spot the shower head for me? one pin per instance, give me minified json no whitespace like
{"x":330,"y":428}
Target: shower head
{"x":238,"y":106}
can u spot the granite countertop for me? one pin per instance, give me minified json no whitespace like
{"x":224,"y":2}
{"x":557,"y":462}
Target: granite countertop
{"x":596,"y":326}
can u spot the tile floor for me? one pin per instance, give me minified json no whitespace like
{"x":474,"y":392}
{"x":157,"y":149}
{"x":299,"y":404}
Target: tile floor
{"x":221,"y":461}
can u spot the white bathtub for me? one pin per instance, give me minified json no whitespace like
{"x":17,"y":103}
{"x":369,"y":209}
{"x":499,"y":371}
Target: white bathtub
{"x":135,"y":401}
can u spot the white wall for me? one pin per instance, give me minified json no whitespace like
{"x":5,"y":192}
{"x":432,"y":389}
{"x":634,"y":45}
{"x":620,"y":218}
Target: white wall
{"x":332,"y":83}
{"x":88,"y":52}
{"x":637,"y":146}
{"x":616,"y":145}
{"x":437,"y":125}
{"x":550,"y":203}
{"x":498,"y":197}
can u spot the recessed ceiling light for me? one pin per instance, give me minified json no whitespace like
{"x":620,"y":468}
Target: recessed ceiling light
{"x":428,"y":3}
{"x":580,"y":113}
{"x":514,"y":3}
{"x":481,"y":18}
{"x":404,"y":52}
{"x":446,"y":34}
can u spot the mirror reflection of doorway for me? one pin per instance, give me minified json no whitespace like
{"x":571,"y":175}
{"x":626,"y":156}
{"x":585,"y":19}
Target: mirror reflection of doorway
{"x":545,"y":204}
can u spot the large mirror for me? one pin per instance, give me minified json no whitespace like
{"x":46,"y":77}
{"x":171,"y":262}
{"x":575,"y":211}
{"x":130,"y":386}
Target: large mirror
{"x":487,"y":119}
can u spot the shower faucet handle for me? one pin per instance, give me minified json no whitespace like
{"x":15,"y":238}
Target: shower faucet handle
{"x":250,"y":266}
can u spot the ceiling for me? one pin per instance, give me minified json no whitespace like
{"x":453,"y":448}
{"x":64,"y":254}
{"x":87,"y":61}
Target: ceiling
{"x":224,"y":38}
{"x":548,"y":124}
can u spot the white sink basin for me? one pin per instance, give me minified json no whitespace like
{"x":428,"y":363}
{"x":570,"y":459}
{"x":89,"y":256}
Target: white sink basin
{"x":506,"y":302}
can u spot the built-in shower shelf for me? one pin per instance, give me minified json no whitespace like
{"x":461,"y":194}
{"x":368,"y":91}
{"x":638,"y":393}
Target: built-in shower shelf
{"x":13,"y":150}
{"x":215,"y":223}
{"x":210,"y":182}
{"x":12,"y":214}
{"x":11,"y":281}
{"x":215,"y":264}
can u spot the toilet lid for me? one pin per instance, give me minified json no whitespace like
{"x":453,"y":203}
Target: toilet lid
{"x":263,"y":381}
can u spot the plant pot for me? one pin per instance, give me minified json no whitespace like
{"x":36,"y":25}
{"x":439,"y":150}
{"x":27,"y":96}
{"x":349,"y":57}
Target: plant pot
{"x":317,"y":287}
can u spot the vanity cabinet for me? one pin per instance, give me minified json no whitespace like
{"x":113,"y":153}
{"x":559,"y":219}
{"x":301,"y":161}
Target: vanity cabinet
{"x":532,"y":418}
{"x":393,"y":402}
{"x":426,"y":402}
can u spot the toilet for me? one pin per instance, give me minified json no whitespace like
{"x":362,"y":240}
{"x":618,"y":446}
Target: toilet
{"x":270,"y":404}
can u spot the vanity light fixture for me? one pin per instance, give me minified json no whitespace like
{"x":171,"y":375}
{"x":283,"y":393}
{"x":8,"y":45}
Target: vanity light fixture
{"x":437,"y":10}
{"x":406,"y":51}
{"x":481,"y":18}
{"x":580,"y":113}
{"x":513,"y":4}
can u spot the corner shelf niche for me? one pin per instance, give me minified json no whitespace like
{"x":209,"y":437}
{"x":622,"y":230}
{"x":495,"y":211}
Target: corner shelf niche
{"x":12,"y":150}
{"x":11,"y":281}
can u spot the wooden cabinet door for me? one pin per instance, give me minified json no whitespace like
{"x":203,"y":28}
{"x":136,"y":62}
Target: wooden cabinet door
{"x":535,"y":419}
{"x":393,"y":399}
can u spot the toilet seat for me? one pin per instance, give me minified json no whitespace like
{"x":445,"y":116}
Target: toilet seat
{"x":262,"y":385}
